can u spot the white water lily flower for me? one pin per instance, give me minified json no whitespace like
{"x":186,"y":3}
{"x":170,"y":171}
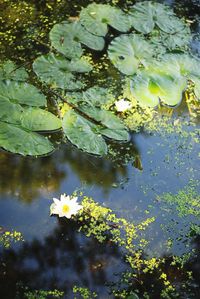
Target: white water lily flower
{"x":65,"y":207}
{"x":122,"y":105}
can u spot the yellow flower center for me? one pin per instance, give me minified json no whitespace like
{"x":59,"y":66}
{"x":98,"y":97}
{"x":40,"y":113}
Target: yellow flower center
{"x":65,"y":208}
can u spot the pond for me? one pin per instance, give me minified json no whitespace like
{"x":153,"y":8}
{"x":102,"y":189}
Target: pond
{"x":138,"y":233}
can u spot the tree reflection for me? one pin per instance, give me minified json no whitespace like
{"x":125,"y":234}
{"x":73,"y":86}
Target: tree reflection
{"x":28,"y":177}
{"x":65,"y":259}
{"x":25,"y":177}
{"x":62,"y":260}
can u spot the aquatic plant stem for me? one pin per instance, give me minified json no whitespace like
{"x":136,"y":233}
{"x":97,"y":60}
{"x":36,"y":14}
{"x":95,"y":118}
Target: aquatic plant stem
{"x":75,"y":108}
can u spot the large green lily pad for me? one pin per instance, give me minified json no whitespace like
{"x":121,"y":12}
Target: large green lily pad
{"x":97,"y":17}
{"x":147,"y":15}
{"x":9,"y":70}
{"x":150,"y":88}
{"x":196,"y":81}
{"x":21,"y":141}
{"x":68,"y":37}
{"x":109,"y":124}
{"x":83,"y":134}
{"x":17,"y":122}
{"x":10,"y":112}
{"x":36,"y":119}
{"x":127,"y":52}
{"x":94,"y":96}
{"x":116,"y":134}
{"x":58,"y":71}
{"x":22,"y":93}
{"x":178,"y":41}
{"x":106,"y":118}
{"x":188,"y":65}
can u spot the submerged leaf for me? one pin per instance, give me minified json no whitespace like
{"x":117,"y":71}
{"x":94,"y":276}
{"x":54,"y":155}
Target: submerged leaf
{"x":67,"y":38}
{"x":83,"y":134}
{"x":127,"y":52}
{"x":24,"y":142}
{"x":22,"y":93}
{"x":97,"y":17}
{"x":12,"y":72}
{"x":59,"y":72}
{"x":146,"y":15}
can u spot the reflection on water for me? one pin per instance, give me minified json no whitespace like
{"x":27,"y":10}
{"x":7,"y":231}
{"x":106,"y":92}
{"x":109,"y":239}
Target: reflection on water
{"x":71,"y":258}
{"x":27,"y":178}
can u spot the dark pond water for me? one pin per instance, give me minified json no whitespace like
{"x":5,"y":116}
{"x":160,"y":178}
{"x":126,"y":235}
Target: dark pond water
{"x":54,"y":255}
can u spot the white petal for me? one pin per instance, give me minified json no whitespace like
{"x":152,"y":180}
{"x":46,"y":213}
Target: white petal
{"x":74,"y":199}
{"x":56,"y":201}
{"x":122,"y":105}
{"x":54,"y":209}
{"x":64,"y":198}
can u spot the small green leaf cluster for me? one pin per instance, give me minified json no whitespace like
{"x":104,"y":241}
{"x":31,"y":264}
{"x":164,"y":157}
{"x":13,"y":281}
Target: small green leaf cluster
{"x":85,"y":293}
{"x":21,"y":115}
{"x":186,"y":201}
{"x":101,"y":223}
{"x":9,"y":237}
{"x":43,"y":294}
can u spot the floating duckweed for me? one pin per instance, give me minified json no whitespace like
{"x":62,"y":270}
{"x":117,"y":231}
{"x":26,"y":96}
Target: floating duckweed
{"x":165,"y":125}
{"x":42,"y":294}
{"x":84,"y":293}
{"x":186,"y":201}
{"x":9,"y":237}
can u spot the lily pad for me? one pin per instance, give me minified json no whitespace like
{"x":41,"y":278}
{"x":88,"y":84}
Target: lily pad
{"x":97,"y":17}
{"x":21,"y":141}
{"x":83,"y":134}
{"x":94,"y":96}
{"x":68,"y":37}
{"x":169,"y":89}
{"x":188,"y":65}
{"x":10,"y":112}
{"x":145,"y":16}
{"x":36,"y":119}
{"x":22,"y":93}
{"x":196,"y":82}
{"x":177,"y":41}
{"x":10,"y":71}
{"x":151,"y":88}
{"x":106,"y":118}
{"x":127,"y":52}
{"x":59,"y":72}
{"x":32,"y":118}
{"x":119,"y":135}
{"x":140,"y":89}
